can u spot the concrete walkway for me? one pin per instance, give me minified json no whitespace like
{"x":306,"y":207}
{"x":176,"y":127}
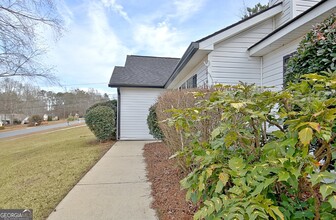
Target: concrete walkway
{"x":115,"y":188}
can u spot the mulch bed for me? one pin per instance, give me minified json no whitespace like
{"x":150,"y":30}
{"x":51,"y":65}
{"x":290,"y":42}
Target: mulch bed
{"x":169,"y":200}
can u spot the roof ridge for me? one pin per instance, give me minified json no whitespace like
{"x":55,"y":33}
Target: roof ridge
{"x":144,"y":56}
{"x":237,"y":23}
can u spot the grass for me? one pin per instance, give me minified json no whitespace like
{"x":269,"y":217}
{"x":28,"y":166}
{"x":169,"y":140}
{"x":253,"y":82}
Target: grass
{"x":37,"y":171}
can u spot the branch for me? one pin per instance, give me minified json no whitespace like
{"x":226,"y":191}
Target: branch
{"x":43,"y":20}
{"x":328,"y":159}
{"x":275,"y":124}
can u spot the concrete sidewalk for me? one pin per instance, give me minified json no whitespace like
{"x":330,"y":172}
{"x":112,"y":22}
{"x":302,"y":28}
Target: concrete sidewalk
{"x":115,"y":188}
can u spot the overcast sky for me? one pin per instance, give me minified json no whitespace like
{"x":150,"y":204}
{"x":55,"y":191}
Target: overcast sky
{"x":100,"y":33}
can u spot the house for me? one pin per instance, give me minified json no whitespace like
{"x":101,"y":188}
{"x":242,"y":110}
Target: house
{"x":253,"y":50}
{"x":138,"y":84}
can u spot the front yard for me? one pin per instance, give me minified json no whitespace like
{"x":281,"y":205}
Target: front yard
{"x":37,"y":171}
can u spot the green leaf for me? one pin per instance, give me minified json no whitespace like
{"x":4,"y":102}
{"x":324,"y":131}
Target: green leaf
{"x":318,"y":177}
{"x":236,"y":164}
{"x":235,"y":190}
{"x":278,"y":134}
{"x":332,"y":201}
{"x":283,"y":176}
{"x":237,"y":105}
{"x":219,"y":186}
{"x":334,"y":155}
{"x":276,"y":210}
{"x":315,"y":126}
{"x":327,"y":189}
{"x":218,"y":203}
{"x":200,"y":214}
{"x":201,"y":186}
{"x":269,"y":181}
{"x":258,"y":190}
{"x":224,"y":177}
{"x":289,"y":142}
{"x":230,"y":138}
{"x":211,"y":207}
{"x":306,"y":135}
{"x":216,"y":132}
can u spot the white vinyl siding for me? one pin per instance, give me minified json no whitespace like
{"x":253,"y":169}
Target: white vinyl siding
{"x":273,"y":64}
{"x":286,"y":14}
{"x":201,"y":71}
{"x":134,"y":105}
{"x":230,"y":61}
{"x":303,"y":5}
{"x":291,"y":9}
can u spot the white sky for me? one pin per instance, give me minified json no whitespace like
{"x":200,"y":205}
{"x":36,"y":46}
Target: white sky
{"x":100,"y":33}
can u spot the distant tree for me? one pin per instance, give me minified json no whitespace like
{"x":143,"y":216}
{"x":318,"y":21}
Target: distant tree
{"x":21,"y":23}
{"x":19,"y":98}
{"x":248,"y":12}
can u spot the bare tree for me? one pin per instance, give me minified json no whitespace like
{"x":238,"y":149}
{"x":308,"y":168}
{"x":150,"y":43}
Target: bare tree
{"x":21,"y":22}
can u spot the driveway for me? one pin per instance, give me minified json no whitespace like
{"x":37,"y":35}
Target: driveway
{"x":30,"y":130}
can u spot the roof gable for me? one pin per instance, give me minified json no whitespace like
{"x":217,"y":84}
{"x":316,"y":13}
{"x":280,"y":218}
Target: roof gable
{"x":143,"y":71}
{"x":294,"y":28}
{"x":208,"y":42}
{"x":197,"y":50}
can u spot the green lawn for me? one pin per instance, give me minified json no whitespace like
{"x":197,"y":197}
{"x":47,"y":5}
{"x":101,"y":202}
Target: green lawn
{"x":37,"y":171}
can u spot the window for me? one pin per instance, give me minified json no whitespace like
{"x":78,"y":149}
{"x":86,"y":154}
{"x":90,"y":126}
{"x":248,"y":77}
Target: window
{"x":190,"y":83}
{"x":194,"y":81}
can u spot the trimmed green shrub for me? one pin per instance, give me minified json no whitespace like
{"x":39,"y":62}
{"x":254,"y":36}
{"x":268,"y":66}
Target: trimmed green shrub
{"x":111,"y":104}
{"x":35,"y":120}
{"x":101,"y":121}
{"x":316,"y":52}
{"x":153,"y":124}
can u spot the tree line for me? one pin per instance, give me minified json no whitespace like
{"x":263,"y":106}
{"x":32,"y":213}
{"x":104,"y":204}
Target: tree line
{"x":18,"y":98}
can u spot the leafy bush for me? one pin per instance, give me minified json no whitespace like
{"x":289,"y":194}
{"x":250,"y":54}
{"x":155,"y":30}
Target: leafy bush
{"x":246,"y":171}
{"x":70,"y":118}
{"x":49,"y":118}
{"x":35,"y":120}
{"x":153,"y":124}
{"x":111,"y":104}
{"x":316,"y":52}
{"x":2,"y":127}
{"x":101,"y":121}
{"x":16,"y":121}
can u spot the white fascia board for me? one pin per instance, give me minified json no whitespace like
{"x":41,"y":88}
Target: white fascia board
{"x":264,"y":47}
{"x":208,"y":44}
{"x":194,"y":61}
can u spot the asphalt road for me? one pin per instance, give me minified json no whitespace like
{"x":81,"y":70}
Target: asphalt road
{"x":30,"y":130}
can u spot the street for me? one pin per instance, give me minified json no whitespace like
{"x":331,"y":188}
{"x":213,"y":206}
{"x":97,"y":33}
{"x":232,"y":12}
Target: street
{"x":30,"y":130}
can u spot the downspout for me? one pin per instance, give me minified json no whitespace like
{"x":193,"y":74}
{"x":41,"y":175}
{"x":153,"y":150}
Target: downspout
{"x":261,"y":72}
{"x":118,"y":114}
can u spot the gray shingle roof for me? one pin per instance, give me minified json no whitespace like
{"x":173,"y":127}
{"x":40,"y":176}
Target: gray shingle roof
{"x":143,"y":71}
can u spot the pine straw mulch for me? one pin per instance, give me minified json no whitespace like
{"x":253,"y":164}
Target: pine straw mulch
{"x":164,"y":175}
